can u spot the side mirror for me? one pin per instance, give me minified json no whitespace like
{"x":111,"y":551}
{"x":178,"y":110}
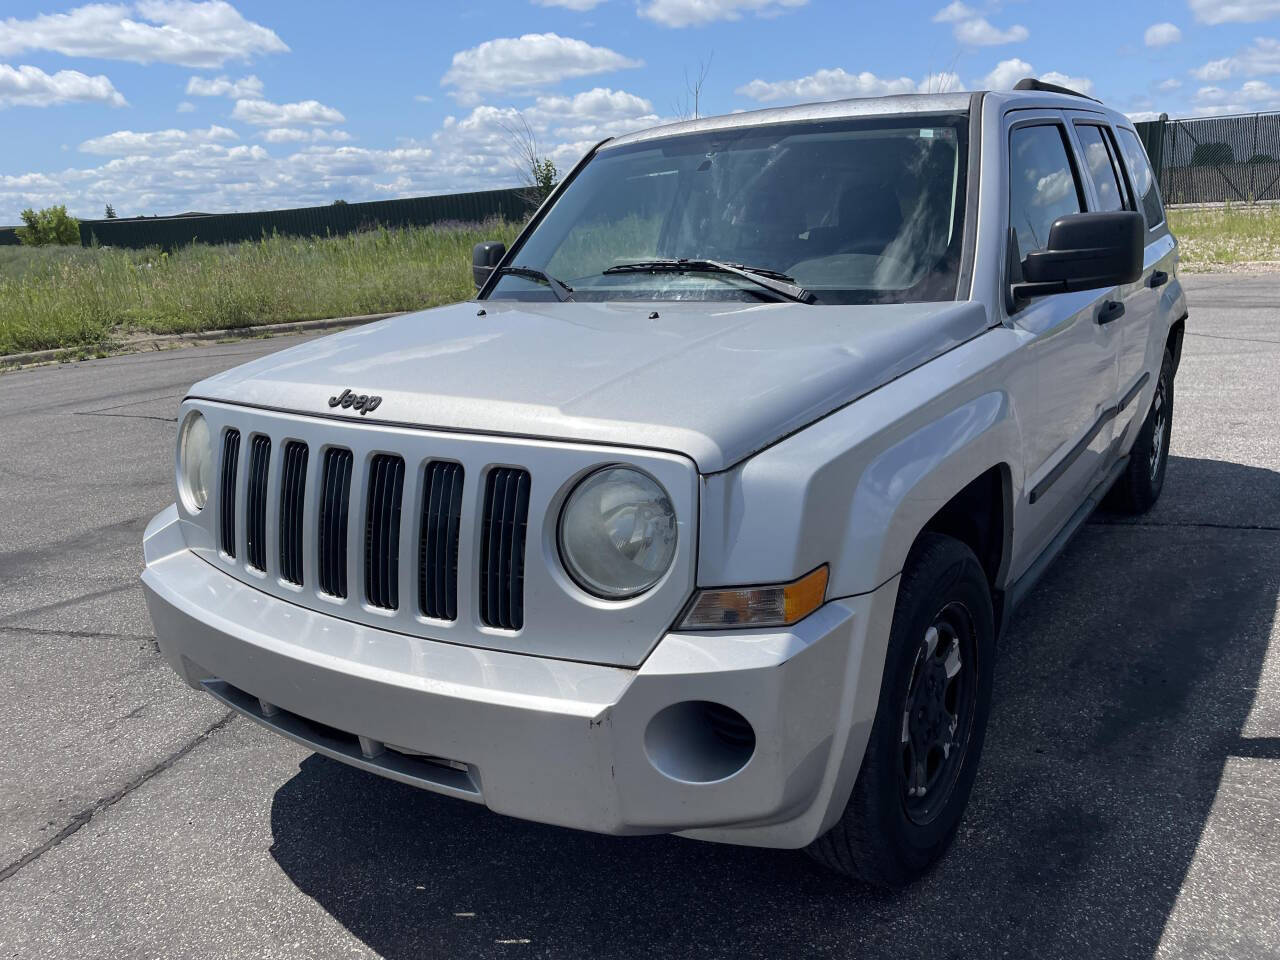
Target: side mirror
{"x":484,"y":257}
{"x":1086,"y":251}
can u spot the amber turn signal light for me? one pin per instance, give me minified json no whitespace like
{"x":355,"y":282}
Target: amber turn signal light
{"x":775,"y":605}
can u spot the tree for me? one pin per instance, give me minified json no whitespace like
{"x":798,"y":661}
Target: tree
{"x":688,"y":106}
{"x":50,"y":226}
{"x":339,"y":203}
{"x":109,"y":213}
{"x":537,"y":170}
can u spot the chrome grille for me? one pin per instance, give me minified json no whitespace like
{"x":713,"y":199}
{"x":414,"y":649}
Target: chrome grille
{"x":438,"y":540}
{"x":293,"y":488}
{"x":227,"y":503}
{"x":502,"y":536}
{"x":256,"y":515}
{"x":382,"y":532}
{"x":335,"y":504}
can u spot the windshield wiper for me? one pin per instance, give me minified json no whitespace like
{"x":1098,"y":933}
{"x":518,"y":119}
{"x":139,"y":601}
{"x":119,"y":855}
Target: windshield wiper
{"x":772,"y":280}
{"x":562,"y":291}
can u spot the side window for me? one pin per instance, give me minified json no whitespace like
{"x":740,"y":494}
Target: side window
{"x":1101,"y":164}
{"x":1144,"y":181}
{"x":1042,"y":183}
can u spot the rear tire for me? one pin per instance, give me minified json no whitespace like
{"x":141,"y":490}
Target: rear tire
{"x":927,"y":736}
{"x":1138,"y":488}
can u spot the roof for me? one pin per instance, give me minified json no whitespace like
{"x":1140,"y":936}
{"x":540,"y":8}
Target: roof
{"x":860,"y":107}
{"x":828,"y":110}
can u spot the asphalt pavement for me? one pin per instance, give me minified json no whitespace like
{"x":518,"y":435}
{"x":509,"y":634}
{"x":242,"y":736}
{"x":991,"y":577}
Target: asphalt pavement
{"x":1128,"y":803}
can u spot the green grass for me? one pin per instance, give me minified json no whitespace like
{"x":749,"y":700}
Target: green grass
{"x":1211,"y":237}
{"x":72,"y":297}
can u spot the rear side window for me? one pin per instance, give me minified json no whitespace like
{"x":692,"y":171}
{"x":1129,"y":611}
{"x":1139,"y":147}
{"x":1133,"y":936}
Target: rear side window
{"x":1102,"y":166}
{"x":1042,"y":184}
{"x":1144,"y":181}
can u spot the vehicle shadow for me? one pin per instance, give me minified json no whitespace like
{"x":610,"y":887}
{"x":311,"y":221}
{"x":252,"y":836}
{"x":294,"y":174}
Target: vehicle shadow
{"x":1121,"y":692}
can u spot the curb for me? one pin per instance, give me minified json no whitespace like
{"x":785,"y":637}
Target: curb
{"x":159,"y":341}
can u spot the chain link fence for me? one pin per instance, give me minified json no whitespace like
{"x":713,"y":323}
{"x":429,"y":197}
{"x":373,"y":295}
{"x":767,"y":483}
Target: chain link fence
{"x":1216,"y":159}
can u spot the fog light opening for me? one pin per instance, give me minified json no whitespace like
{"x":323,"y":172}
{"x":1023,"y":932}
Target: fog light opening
{"x":697,"y":741}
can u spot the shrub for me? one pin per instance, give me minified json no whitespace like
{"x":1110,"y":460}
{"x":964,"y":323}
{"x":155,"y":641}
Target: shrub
{"x":52,"y":226}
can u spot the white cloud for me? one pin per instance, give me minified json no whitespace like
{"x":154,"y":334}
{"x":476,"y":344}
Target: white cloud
{"x":592,"y":115}
{"x":294,"y":135}
{"x":27,"y":86}
{"x":954,"y":12}
{"x":1008,"y":72}
{"x":1260,"y":58}
{"x":246,"y":87}
{"x":1173,"y":83}
{"x":183,"y":32}
{"x":1234,"y":11}
{"x":1052,"y":188}
{"x":1142,"y":116}
{"x":578,"y":5}
{"x":264,"y":113}
{"x":124,"y":143}
{"x":423,"y":98}
{"x":696,"y":13}
{"x":1078,"y":84}
{"x":516,"y":65}
{"x":833,"y":84}
{"x":471,"y":152}
{"x":1250,"y":97}
{"x":1161,"y":35}
{"x":186,"y":106}
{"x":980,"y":33}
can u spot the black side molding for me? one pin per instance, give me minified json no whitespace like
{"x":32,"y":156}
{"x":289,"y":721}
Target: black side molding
{"x":1082,"y":444}
{"x":1019,"y":589}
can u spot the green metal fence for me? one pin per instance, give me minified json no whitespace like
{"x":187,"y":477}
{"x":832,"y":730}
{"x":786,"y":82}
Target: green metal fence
{"x":9,"y":236}
{"x":172,"y":232}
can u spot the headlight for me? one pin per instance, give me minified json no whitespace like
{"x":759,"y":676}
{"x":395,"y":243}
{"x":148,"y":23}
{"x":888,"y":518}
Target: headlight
{"x":617,"y":533}
{"x":195,"y":462}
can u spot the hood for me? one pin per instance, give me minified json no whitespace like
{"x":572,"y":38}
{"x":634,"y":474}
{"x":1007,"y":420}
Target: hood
{"x":716,"y":382}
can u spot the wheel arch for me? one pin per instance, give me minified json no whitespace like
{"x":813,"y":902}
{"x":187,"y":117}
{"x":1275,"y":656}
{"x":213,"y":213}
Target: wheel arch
{"x":1173,"y":343}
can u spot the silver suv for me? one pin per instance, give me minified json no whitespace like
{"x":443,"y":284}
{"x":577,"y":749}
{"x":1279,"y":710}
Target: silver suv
{"x":705,"y":515}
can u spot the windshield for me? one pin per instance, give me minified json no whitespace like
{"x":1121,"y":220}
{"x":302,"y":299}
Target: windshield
{"x":864,"y":210}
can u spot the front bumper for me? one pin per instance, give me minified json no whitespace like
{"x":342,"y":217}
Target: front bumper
{"x":554,"y":741}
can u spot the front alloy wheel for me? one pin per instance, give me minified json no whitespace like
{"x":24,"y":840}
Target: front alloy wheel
{"x":937,"y":716}
{"x":922,"y":754}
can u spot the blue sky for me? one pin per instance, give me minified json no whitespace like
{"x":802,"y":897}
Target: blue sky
{"x":160,"y":106}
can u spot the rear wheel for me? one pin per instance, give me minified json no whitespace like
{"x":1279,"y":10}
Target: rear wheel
{"x":923,"y":752}
{"x":1138,"y":488}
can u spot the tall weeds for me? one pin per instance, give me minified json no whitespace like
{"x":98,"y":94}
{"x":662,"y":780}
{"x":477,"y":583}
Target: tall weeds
{"x":58,"y":297}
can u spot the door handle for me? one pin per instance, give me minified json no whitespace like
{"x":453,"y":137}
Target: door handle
{"x":1158,"y":278}
{"x":1111,"y":310}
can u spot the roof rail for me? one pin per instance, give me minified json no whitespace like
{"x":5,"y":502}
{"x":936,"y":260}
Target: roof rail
{"x":1031,"y":83}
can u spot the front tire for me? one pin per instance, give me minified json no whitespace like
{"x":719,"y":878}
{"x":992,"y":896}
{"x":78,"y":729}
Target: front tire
{"x":926,"y":740}
{"x":1138,"y":488}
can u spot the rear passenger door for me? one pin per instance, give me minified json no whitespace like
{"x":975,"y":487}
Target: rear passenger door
{"x":1158,"y":292}
{"x":1067,"y":437}
{"x":1110,"y":190}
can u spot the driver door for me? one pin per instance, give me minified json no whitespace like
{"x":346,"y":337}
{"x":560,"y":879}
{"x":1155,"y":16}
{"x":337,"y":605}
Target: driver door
{"x":1073,"y":350}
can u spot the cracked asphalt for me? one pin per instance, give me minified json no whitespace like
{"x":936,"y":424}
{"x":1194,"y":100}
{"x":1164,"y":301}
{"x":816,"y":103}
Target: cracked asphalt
{"x":1128,"y":804}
